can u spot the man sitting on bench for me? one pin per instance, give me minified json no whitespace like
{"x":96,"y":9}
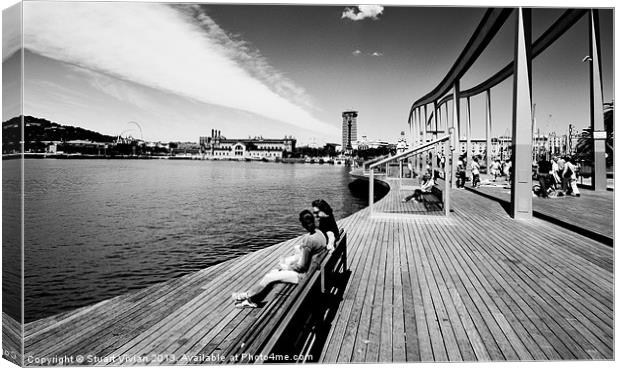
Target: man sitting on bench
{"x":293,"y":269}
{"x":427,"y":184}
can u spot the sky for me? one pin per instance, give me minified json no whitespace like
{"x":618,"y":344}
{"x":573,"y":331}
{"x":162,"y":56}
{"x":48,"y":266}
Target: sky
{"x":180,"y":70}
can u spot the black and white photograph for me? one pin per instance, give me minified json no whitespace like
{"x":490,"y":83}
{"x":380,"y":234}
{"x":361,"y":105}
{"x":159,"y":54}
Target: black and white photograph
{"x":201,"y":183}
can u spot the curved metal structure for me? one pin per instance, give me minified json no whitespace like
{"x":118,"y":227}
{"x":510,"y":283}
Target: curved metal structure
{"x":490,"y":24}
{"x":557,"y":29}
{"x":524,"y":51}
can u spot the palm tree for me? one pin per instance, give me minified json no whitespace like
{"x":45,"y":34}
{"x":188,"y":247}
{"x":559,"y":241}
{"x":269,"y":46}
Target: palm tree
{"x":584,"y":148}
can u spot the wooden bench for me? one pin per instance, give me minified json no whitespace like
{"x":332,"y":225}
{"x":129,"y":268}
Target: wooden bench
{"x":433,"y":199}
{"x":283,"y":314}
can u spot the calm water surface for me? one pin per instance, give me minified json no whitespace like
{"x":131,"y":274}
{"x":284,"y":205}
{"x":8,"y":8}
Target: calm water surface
{"x":99,"y":228}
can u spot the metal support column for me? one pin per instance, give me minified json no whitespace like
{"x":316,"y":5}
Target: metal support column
{"x":521,"y":185}
{"x":470,"y":156}
{"x":488,"y":130}
{"x":371,"y":190}
{"x":425,"y":138}
{"x":435,"y":150}
{"x":455,"y":125}
{"x":448,"y":173}
{"x":415,"y":139}
{"x":597,"y":124}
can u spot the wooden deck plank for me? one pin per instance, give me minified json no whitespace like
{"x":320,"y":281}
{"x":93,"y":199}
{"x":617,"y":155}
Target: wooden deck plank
{"x":431,"y":233}
{"x":342,"y":338}
{"x":412,"y":344}
{"x":564,"y":304}
{"x":515,"y":287}
{"x":365,"y":333}
{"x":399,"y":352}
{"x":470,"y":286}
{"x":350,"y":342}
{"x":440,"y":351}
{"x":174,"y":324}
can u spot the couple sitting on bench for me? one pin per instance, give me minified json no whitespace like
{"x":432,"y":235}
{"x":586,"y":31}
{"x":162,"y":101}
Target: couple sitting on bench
{"x":427,"y":184}
{"x":322,"y":234}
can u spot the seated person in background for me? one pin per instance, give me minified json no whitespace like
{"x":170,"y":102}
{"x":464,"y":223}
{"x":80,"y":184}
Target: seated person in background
{"x":326,"y":222}
{"x":427,"y":184}
{"x":291,"y":271}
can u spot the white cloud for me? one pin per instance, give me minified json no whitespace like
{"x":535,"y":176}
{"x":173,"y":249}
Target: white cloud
{"x":376,"y":53}
{"x":175,"y":49}
{"x":356,"y":52}
{"x":362,"y":12}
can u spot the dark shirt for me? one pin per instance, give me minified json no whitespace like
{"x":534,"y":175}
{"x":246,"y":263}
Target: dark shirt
{"x":329,"y":224}
{"x":544,"y":167}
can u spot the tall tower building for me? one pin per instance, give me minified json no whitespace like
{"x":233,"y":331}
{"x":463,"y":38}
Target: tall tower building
{"x":349,"y":129}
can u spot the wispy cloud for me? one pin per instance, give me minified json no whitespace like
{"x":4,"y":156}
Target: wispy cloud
{"x":178,"y":49}
{"x":357,"y":52}
{"x":362,"y":12}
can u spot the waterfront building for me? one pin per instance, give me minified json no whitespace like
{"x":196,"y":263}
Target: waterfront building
{"x":500,"y":148}
{"x":219,"y":147}
{"x":366,"y":143}
{"x":349,"y":129}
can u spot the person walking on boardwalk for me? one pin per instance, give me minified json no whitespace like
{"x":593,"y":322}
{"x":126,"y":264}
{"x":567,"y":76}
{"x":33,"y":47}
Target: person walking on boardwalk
{"x":460,"y":173}
{"x":563,"y":181}
{"x":311,"y":243}
{"x":544,"y":170}
{"x":326,"y":222}
{"x":556,"y":173}
{"x":475,"y":173}
{"x":495,"y":169}
{"x":570,"y":175}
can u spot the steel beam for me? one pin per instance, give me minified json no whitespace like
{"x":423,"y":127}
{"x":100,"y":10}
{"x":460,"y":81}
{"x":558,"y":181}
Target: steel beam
{"x":456,"y":117}
{"x":488,"y":129}
{"x":491,"y":22}
{"x":597,"y":124}
{"x":470,"y":156}
{"x":521,"y":183}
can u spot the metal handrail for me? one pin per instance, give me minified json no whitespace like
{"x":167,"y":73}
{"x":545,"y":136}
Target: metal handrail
{"x":446,"y":140}
{"x":365,"y":163}
{"x":410,"y":152}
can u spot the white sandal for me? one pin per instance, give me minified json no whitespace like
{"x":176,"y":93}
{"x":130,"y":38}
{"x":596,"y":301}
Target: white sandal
{"x":239,"y":297}
{"x":246,"y":304}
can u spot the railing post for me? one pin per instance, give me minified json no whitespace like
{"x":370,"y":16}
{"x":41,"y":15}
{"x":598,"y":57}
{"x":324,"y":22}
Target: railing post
{"x":434,"y":160}
{"x":371,"y":190}
{"x":488,"y":129}
{"x":521,"y":185}
{"x":468,"y":149}
{"x":448,"y":176}
{"x":597,"y":124}
{"x":424,"y":138}
{"x":414,"y":137}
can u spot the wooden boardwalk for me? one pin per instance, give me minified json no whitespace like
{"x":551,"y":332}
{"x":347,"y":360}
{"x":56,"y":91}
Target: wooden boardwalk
{"x":474,"y":286}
